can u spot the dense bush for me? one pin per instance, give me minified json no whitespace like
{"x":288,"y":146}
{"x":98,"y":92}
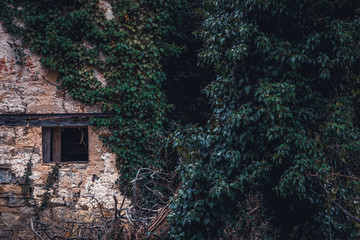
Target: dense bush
{"x":283,"y":124}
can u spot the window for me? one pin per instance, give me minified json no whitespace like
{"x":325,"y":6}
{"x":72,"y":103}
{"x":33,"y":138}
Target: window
{"x":65,"y":144}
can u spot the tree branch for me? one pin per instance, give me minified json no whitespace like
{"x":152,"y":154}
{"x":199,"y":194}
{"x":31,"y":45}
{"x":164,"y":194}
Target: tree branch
{"x":336,"y":204}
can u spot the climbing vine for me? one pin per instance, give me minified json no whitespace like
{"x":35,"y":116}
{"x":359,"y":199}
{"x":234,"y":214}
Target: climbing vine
{"x":26,"y":187}
{"x":77,"y":39}
{"x":51,"y":179}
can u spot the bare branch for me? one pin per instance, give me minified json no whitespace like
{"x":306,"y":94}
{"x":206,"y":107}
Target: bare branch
{"x":33,"y":229}
{"x":336,"y":204}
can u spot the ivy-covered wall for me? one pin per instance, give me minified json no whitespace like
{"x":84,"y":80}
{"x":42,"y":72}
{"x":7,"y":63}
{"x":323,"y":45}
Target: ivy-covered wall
{"x":108,"y":56}
{"x":125,"y":42}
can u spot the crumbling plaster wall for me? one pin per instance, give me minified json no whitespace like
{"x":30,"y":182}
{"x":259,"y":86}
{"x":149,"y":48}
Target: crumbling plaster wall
{"x":30,"y":89}
{"x":77,"y":182}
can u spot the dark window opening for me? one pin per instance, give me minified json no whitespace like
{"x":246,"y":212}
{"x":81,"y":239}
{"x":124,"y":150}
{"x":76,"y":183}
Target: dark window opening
{"x":65,"y":144}
{"x":74,"y":144}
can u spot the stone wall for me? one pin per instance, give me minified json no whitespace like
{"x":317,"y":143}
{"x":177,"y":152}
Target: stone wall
{"x":30,"y":89}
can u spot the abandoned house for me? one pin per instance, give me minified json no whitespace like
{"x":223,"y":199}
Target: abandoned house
{"x":41,"y":123}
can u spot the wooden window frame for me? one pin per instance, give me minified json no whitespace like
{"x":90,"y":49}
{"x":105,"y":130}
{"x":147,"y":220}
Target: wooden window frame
{"x":51,"y":145}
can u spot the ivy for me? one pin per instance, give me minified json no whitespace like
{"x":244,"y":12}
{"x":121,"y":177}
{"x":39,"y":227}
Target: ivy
{"x":76,"y":39}
{"x":50,"y":181}
{"x":283,"y":123}
{"x":20,"y":55}
{"x":26,"y":187}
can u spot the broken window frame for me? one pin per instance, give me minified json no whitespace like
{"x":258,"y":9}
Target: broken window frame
{"x":51,"y":145}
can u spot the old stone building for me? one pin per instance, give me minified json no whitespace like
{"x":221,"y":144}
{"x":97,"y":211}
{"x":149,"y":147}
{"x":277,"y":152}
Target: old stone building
{"x":40,"y":122}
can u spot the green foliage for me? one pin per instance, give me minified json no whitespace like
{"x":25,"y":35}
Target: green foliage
{"x":50,"y":180}
{"x":75,"y":38}
{"x":20,"y":55}
{"x":283,"y":122}
{"x":26,"y":187}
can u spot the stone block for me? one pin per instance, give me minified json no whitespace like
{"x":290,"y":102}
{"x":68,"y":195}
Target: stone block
{"x":10,"y":220}
{"x":7,"y":141}
{"x":4,"y":201}
{"x":6,"y":176}
{"x":43,"y":108}
{"x":27,"y":211}
{"x":4,"y":209}
{"x":15,"y":202}
{"x":6,"y":234}
{"x":10,"y":189}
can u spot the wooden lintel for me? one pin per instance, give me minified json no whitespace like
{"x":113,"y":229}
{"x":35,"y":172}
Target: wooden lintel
{"x":59,"y":122}
{"x":55,"y":115}
{"x":50,"y":120}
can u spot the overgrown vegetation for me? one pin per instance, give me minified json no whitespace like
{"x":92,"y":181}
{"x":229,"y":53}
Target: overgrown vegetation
{"x":282,"y":131}
{"x":75,"y":39}
{"x":283,"y":124}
